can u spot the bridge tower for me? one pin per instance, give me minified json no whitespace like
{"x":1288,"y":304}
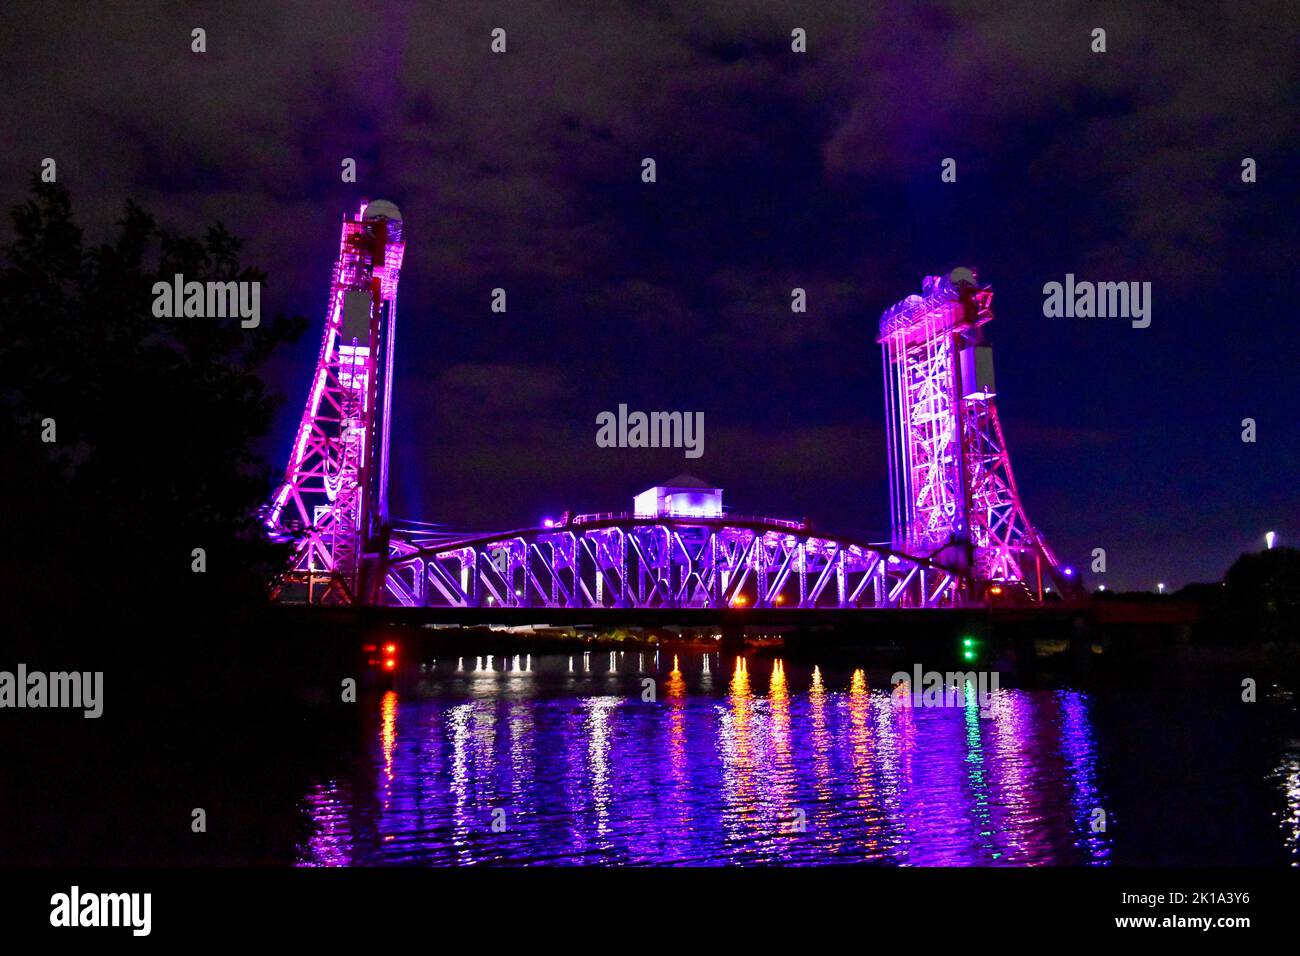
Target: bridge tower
{"x":952,"y":493}
{"x":333,"y":502}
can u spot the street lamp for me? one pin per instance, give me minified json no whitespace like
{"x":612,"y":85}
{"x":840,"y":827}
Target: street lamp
{"x":1160,"y":588}
{"x":1269,"y":538}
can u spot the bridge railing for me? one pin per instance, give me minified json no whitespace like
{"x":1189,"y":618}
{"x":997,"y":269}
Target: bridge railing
{"x":796,"y":524}
{"x":608,"y":561}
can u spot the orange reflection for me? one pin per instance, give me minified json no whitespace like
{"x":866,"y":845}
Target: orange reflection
{"x":675,"y":690}
{"x":821,"y":738}
{"x":738,"y":746}
{"x":776,"y":688}
{"x":821,"y":750}
{"x":675,"y":693}
{"x":860,"y":733}
{"x":388,"y":731}
{"x":778,"y":695}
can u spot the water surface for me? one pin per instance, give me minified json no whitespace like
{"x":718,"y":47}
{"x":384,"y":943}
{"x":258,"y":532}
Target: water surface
{"x":645,"y":759}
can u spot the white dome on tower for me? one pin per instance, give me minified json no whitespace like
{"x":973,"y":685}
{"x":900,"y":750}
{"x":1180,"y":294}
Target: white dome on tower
{"x":383,"y":209}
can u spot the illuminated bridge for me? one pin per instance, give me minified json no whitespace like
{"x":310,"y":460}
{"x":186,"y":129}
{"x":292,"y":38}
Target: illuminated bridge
{"x":960,"y":535}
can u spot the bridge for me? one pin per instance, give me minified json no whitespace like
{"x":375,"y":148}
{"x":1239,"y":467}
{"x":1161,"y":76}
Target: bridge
{"x":960,"y":537}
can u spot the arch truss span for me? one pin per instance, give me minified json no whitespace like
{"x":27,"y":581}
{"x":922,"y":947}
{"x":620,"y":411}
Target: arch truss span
{"x":662,"y":563}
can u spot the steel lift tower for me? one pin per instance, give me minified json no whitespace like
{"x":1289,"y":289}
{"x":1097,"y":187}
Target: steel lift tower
{"x":953,"y":496}
{"x":960,"y":535}
{"x":333,"y":503}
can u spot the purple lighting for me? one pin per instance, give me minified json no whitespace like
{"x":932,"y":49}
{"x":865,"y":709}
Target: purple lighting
{"x":592,"y":778}
{"x":952,"y":492}
{"x":957,"y":519}
{"x":333,"y":501}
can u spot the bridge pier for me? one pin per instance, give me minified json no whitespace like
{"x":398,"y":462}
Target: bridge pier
{"x":1081,"y":656}
{"x":733,"y":637}
{"x":1025,"y":650}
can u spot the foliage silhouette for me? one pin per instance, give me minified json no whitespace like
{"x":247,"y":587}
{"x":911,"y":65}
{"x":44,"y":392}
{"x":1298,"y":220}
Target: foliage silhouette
{"x":156,"y":419}
{"x":1262,"y":596}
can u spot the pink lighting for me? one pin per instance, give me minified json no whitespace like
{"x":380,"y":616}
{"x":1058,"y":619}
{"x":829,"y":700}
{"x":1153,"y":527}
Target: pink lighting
{"x":952,"y":492}
{"x":333,"y":500}
{"x":957,"y":521}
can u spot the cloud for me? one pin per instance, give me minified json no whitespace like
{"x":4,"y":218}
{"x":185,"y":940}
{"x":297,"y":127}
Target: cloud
{"x":775,"y":171}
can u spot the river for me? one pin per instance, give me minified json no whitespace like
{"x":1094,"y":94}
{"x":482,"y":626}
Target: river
{"x":626,"y":758}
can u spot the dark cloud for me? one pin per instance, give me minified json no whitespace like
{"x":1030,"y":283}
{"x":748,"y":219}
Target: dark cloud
{"x":775,"y":171}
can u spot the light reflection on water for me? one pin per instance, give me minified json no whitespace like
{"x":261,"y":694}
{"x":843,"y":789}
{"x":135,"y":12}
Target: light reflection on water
{"x":1288,"y":774}
{"x":560,"y":760}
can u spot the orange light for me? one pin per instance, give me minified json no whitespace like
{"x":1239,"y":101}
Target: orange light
{"x":390,"y":664}
{"x":390,"y":648}
{"x":780,"y":599}
{"x":739,"y":601}
{"x":995,"y":590}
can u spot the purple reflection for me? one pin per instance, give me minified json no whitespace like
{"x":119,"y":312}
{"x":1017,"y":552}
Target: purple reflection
{"x":1080,"y":750}
{"x":734,"y":761}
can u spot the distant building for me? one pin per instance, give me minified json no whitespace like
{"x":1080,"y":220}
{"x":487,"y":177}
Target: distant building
{"x":683,"y":496}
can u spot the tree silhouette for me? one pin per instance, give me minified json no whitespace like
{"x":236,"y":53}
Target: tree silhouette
{"x":1263,"y":595}
{"x":156,"y":420}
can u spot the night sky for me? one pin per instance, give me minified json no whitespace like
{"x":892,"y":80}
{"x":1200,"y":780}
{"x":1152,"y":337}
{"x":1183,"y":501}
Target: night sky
{"x":775,"y":170}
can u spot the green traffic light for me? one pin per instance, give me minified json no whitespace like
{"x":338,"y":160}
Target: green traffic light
{"x":969,"y":655}
{"x":968,"y":642}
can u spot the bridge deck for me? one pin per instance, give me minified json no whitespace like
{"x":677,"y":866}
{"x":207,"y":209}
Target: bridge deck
{"x":867,"y":619}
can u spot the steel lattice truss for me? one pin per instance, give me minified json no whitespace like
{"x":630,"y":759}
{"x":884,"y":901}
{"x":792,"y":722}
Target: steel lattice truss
{"x":952,"y":490}
{"x":956,"y":515}
{"x":630,"y":562}
{"x":332,"y":503}
{"x":1006,"y":547}
{"x":929,"y":440}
